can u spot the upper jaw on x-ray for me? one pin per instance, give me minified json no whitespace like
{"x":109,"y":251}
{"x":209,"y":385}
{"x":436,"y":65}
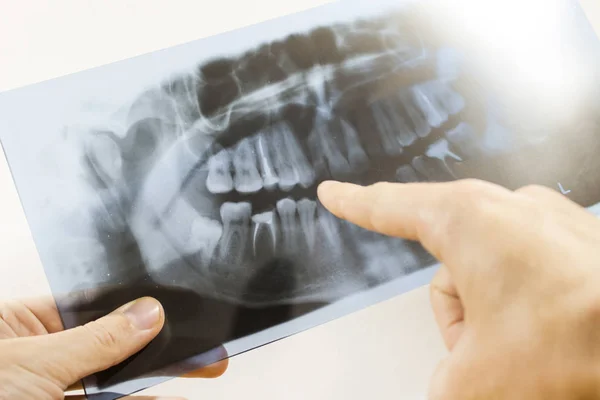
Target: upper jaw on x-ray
{"x":207,"y":181}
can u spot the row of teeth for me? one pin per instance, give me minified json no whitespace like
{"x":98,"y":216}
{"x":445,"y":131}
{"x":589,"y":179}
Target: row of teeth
{"x":274,"y":158}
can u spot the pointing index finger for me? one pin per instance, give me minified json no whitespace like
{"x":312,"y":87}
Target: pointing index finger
{"x":449,"y":219}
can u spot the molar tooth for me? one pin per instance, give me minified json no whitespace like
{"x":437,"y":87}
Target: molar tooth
{"x":424,"y":100}
{"x":236,"y":219}
{"x":387,"y":129}
{"x":307,"y":212}
{"x":286,"y":208}
{"x":288,"y":176}
{"x":356,"y":154}
{"x":304,"y":172}
{"x":420,"y":125}
{"x":326,"y":153}
{"x":219,"y":178}
{"x":247,"y":178}
{"x":269,"y":177}
{"x":447,"y":98}
{"x":264,"y":224}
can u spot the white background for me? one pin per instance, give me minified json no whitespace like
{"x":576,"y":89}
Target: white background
{"x":384,"y":352}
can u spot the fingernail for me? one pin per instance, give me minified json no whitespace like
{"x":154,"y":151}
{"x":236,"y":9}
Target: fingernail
{"x":143,"y":313}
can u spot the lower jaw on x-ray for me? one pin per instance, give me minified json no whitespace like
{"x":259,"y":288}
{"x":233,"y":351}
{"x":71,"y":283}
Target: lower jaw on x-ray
{"x":198,"y":186}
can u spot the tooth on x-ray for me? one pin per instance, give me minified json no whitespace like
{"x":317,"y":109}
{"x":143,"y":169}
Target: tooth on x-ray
{"x":286,"y":208}
{"x":267,"y":170}
{"x":264,"y":229}
{"x":246,"y":178}
{"x":425,"y":100}
{"x":419,"y":123}
{"x":307,"y":210}
{"x":236,"y":223}
{"x":219,"y":178}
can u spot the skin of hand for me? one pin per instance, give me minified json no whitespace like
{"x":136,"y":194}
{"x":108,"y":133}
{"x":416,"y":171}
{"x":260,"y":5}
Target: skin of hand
{"x":517,"y":297}
{"x":40,"y":360}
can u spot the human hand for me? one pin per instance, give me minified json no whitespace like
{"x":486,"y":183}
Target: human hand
{"x":516,"y":298}
{"x":41,"y":360}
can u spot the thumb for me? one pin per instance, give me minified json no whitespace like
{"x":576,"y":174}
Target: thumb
{"x":68,"y":356}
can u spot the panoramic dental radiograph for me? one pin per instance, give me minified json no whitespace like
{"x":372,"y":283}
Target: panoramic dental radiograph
{"x":198,"y":187}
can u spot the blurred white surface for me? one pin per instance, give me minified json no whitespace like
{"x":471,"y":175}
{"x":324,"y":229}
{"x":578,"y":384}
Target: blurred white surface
{"x":384,"y":352}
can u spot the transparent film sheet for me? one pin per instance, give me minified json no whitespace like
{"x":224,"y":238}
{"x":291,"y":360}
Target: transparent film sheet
{"x":190,"y":174}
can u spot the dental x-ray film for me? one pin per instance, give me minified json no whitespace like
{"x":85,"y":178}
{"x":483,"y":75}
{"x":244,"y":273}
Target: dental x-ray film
{"x":189,"y":174}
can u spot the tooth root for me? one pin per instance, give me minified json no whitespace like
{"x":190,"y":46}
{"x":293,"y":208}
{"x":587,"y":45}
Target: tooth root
{"x":329,"y":228}
{"x":386,"y":129}
{"x":299,"y":162}
{"x":288,"y":176}
{"x":357,"y":157}
{"x":441,"y":150}
{"x":247,"y":178}
{"x":406,"y":174}
{"x":236,"y":222}
{"x":307,"y":210}
{"x":269,"y":177}
{"x":219,"y":178}
{"x":426,"y":103}
{"x":264,"y":234}
{"x":286,"y":208}
{"x":420,"y":125}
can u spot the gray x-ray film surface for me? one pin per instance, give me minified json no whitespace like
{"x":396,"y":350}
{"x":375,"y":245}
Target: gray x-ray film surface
{"x":190,"y":174}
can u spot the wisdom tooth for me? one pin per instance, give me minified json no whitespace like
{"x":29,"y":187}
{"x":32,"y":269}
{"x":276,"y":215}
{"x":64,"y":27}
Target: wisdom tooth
{"x":264,"y":224}
{"x":269,"y":177}
{"x":440,"y":150}
{"x":307,"y":211}
{"x":236,"y":221}
{"x":286,"y":208}
{"x":247,"y":179}
{"x":219,"y":178}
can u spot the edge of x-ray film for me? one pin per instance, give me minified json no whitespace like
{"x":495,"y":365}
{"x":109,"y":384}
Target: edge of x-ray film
{"x":32,"y":121}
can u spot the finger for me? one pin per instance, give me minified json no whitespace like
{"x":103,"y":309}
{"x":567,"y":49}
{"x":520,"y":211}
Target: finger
{"x":447,"y":307}
{"x":460,"y":223}
{"x":210,"y":371}
{"x":16,"y":320}
{"x":46,"y":311}
{"x":71,"y":355}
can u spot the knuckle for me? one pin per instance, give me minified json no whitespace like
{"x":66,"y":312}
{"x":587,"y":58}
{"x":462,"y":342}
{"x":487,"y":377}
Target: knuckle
{"x":105,"y":339}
